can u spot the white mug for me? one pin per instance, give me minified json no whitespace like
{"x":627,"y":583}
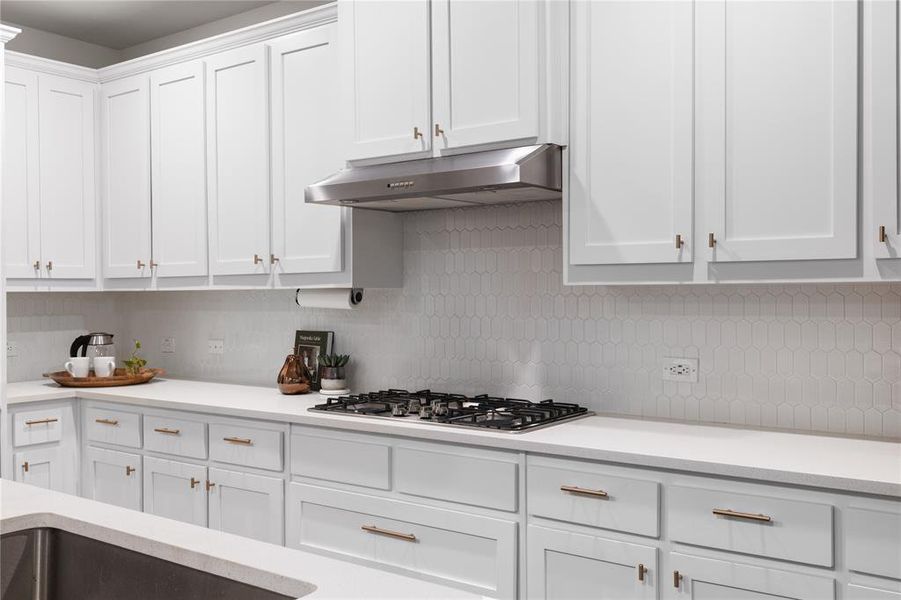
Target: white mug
{"x":104,"y":366}
{"x":78,"y":366}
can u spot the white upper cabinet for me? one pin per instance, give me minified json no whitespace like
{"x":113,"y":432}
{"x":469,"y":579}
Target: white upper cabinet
{"x":238,"y":161}
{"x":881,"y":128}
{"x":178,"y":167}
{"x":630,"y":188}
{"x":485,"y":71}
{"x":125,"y":152}
{"x":21,"y":216}
{"x":776,"y":135}
{"x":67,"y":186}
{"x":385,"y":71}
{"x":307,"y":144}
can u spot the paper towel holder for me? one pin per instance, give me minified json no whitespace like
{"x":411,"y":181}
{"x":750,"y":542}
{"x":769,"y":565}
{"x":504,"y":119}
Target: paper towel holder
{"x":356,"y":296}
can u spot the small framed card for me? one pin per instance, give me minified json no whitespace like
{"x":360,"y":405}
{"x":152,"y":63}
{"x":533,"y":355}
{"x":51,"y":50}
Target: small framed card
{"x":309,"y":345}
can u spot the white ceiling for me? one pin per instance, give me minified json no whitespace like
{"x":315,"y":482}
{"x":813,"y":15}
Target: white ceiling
{"x":120,"y":24}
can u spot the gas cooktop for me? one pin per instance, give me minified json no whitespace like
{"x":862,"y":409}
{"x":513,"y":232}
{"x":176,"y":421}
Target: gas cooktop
{"x":425,"y":406}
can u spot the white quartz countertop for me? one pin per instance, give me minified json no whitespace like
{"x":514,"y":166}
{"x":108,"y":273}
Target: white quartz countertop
{"x":838,"y":463}
{"x":282,"y":570}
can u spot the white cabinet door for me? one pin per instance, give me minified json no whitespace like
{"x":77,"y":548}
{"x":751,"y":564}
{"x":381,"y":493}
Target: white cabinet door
{"x":125,"y":182}
{"x":776,"y":151}
{"x":67,"y":187}
{"x":630,"y":192}
{"x":49,"y":468}
{"x":178,"y":141}
{"x":305,"y":149}
{"x":248,"y":505}
{"x":485,"y":71}
{"x":570,"y":566}
{"x":175,"y":490}
{"x":385,"y":65}
{"x":238,"y":161}
{"x":711,"y":579}
{"x":113,"y":477}
{"x":883,"y":164}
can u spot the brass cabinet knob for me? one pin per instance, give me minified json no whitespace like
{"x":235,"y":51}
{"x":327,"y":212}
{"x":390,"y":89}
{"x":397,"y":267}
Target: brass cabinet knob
{"x":273,"y":259}
{"x":257,"y":259}
{"x":37,"y":265}
{"x":642,"y":570}
{"x":209,"y":485}
{"x":25,"y":466}
{"x":129,"y":470}
{"x":416,"y":133}
{"x":711,"y":240}
{"x":882,"y":237}
{"x":141,"y":264}
{"x":438,"y":131}
{"x":153,"y":265}
{"x":194,"y":483}
{"x":679,"y":241}
{"x":49,"y":265}
{"x":677,"y":579}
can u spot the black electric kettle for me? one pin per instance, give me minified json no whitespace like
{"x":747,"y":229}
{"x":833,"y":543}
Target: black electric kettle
{"x":93,"y":344}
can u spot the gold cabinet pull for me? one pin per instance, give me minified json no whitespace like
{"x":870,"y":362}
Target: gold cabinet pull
{"x":572,"y":489}
{"x":237,"y":440}
{"x":273,"y":259}
{"x":141,"y":264}
{"x":37,"y":265}
{"x":725,"y":512}
{"x":642,"y":570}
{"x":106,"y":421}
{"x":209,"y":485}
{"x":677,"y":579}
{"x":711,"y":240}
{"x":679,"y":241}
{"x":438,"y":131}
{"x":41,"y":421}
{"x":25,"y":466}
{"x":257,"y":259}
{"x":49,"y":265}
{"x":194,"y":483}
{"x":416,"y":133}
{"x":167,"y":430}
{"x":882,"y":233}
{"x":153,"y":265}
{"x":407,"y":537}
{"x":129,"y":470}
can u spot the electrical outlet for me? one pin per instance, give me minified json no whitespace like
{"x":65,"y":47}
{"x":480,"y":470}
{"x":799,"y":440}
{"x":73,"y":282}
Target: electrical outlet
{"x":168,"y":345}
{"x":216,"y":346}
{"x":12,"y":350}
{"x":680,"y":369}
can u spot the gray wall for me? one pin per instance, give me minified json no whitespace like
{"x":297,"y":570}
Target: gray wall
{"x":483,"y":309}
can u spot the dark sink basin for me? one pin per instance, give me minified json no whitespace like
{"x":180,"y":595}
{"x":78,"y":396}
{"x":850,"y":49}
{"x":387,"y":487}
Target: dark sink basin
{"x":51,"y":564}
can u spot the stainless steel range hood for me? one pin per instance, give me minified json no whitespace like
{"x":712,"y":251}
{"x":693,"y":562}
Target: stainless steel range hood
{"x":519,"y":174}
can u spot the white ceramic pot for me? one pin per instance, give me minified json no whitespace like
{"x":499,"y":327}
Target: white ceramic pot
{"x":333,"y":384}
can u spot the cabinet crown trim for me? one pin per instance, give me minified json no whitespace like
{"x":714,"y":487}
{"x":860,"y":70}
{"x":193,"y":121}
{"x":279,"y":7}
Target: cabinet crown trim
{"x":7,"y":33}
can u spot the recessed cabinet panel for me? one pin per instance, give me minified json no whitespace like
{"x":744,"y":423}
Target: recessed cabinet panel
{"x":175,"y":490}
{"x":113,"y":477}
{"x":630,"y":195}
{"x":249,"y":505}
{"x":21,"y":216}
{"x":873,"y":541}
{"x":179,"y":170}
{"x":49,"y":468}
{"x":125,"y":148}
{"x":777,"y":152}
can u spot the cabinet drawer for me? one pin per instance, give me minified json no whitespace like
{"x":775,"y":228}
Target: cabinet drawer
{"x":873,"y":541}
{"x":113,"y":426}
{"x":175,"y":436}
{"x":468,"y":551}
{"x":588,"y":496}
{"x":241,"y":444}
{"x":39,"y":426}
{"x":342,"y":457}
{"x":791,"y":530}
{"x":460,"y":477}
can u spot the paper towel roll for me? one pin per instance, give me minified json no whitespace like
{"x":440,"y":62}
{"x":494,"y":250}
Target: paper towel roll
{"x":344,"y":298}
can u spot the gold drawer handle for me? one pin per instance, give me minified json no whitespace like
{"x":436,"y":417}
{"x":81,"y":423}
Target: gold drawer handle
{"x":106,"y":421}
{"x":194,"y":483}
{"x":677,"y":579}
{"x":572,"y":489}
{"x":167,"y":430}
{"x":237,"y":440}
{"x":642,"y":571}
{"x":209,"y":485}
{"x":41,"y":421}
{"x":25,"y":466}
{"x":407,"y":537}
{"x":725,"y":512}
{"x":129,"y":470}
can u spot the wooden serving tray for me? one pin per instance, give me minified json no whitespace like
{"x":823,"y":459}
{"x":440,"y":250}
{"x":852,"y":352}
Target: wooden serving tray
{"x":119,"y":378}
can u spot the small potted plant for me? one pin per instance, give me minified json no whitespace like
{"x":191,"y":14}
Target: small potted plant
{"x":331,"y":371}
{"x":135,"y":363}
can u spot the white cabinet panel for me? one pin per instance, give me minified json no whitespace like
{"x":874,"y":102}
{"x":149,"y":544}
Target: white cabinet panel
{"x":113,"y":477}
{"x":238,"y":161}
{"x":248,"y":505}
{"x":385,"y":63}
{"x":307,"y":145}
{"x":50,"y":468}
{"x":175,"y":490}
{"x":880,"y":118}
{"x":125,"y":151}
{"x":861,"y":592}
{"x":41,"y":426}
{"x":21,"y":217}
{"x":873,"y":540}
{"x":179,"y":170}
{"x":570,"y":566}
{"x":485,"y":76}
{"x":631,"y":136}
{"x":777,"y":152}
{"x":67,"y":186}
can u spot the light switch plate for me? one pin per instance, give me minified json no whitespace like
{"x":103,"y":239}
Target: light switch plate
{"x":12,"y":349}
{"x":168,"y":345}
{"x":680,"y":369}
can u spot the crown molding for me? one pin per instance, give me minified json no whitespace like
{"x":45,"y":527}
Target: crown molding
{"x":51,"y":67}
{"x":8,"y":32}
{"x":259,"y":32}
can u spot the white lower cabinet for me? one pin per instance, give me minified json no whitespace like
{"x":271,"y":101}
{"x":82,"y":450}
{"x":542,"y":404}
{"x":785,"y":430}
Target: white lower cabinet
{"x":248,"y":505}
{"x":571,"y":566}
{"x":113,"y":477}
{"x":175,"y":490}
{"x":49,"y":468}
{"x":713,"y":579}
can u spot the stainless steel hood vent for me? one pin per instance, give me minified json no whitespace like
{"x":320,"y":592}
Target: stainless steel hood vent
{"x":520,"y":174}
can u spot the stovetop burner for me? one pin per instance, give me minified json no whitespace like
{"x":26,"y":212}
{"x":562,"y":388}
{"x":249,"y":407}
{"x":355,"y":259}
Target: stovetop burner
{"x":425,"y":406}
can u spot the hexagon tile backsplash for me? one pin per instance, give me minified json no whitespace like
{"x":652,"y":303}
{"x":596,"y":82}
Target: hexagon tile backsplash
{"x":483,"y":309}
